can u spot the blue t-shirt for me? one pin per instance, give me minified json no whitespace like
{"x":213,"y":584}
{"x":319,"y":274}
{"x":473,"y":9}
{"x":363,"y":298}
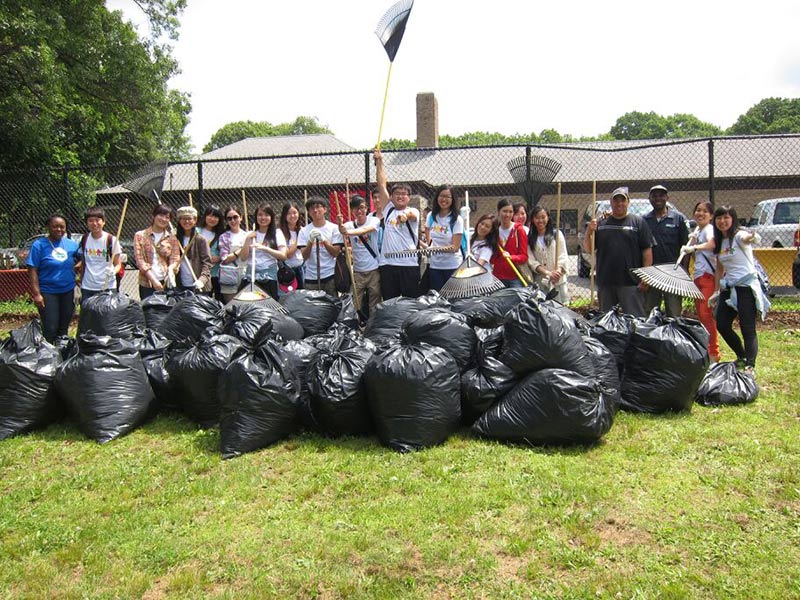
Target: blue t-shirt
{"x":54,"y":261}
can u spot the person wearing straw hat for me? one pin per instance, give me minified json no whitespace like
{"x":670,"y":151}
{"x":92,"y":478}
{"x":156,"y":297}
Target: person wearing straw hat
{"x":99,"y":255}
{"x":157,"y":253}
{"x":195,"y":270}
{"x":320,"y":243}
{"x":363,"y":232}
{"x":622,"y":242}
{"x":670,"y":233}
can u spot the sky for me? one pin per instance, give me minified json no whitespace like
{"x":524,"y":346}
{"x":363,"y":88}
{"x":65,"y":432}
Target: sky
{"x":510,"y":66}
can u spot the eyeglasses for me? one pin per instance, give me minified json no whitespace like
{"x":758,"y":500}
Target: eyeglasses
{"x":232,"y":218}
{"x":400,"y":193}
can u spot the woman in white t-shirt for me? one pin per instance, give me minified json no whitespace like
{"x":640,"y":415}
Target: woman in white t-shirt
{"x":444,"y":230}
{"x":543,"y":241}
{"x":230,"y":247}
{"x":702,"y":246}
{"x":738,"y":290}
{"x":484,"y":240}
{"x":270,"y":247}
{"x":292,"y":222}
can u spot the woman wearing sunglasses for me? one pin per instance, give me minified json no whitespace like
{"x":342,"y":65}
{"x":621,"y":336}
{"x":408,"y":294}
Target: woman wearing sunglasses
{"x":230,"y":246}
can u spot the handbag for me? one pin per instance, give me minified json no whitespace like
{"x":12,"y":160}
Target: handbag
{"x":230,"y":275}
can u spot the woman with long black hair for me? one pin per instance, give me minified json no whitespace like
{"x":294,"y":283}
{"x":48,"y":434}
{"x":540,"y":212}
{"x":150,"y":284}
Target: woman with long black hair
{"x":737,"y":287}
{"x":212,"y":225}
{"x":270,"y":247}
{"x":444,"y":230}
{"x":292,"y":222}
{"x":512,"y":247}
{"x":543,"y":239}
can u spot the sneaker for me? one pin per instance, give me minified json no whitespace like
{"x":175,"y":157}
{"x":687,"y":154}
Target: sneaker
{"x":750,"y":372}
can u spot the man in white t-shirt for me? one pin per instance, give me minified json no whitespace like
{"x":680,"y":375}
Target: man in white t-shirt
{"x":320,"y":243}
{"x":100,"y":253}
{"x":399,"y":276}
{"x":363,"y":232}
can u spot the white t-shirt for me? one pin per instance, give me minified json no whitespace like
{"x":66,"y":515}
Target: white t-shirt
{"x":297,"y":259}
{"x":96,"y":260}
{"x":504,"y":233}
{"x":397,"y":237}
{"x":442,"y":235}
{"x":185,"y":272}
{"x":704,"y":259}
{"x":737,"y":259}
{"x":327,"y":263}
{"x":265,"y":260}
{"x":481,"y":250}
{"x":363,"y":261}
{"x":156,"y":268}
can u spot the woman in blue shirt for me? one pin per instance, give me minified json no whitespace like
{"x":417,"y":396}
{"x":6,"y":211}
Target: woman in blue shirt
{"x":50,"y":268}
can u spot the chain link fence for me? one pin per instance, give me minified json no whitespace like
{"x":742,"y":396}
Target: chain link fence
{"x":748,"y":173}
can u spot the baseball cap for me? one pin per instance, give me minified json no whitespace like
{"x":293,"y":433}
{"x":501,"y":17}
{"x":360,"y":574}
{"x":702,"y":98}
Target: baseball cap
{"x":287,"y":282}
{"x":658,"y":187}
{"x":620,"y":191}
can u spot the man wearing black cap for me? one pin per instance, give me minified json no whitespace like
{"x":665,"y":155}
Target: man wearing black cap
{"x":669,"y":233}
{"x":623,"y":242}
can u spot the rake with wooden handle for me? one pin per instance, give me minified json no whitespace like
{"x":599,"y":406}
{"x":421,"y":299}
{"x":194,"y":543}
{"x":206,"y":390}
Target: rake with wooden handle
{"x":119,"y":232}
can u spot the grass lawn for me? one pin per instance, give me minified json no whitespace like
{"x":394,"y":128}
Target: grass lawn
{"x":700,"y":505}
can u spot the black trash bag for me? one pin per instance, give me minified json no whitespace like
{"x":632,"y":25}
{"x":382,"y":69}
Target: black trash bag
{"x":432,"y":298}
{"x":537,"y":337}
{"x":315,"y":310}
{"x":153,"y":348}
{"x":105,"y":387}
{"x":340,"y":337}
{"x":656,"y":317}
{"x":614,"y":329}
{"x":194,"y":372}
{"x":110,"y":313}
{"x":258,"y":399}
{"x":605,"y":367}
{"x":568,"y":314}
{"x":191,"y":316}
{"x":724,"y":384}
{"x":338,"y":397}
{"x":66,"y":345}
{"x":300,"y":355}
{"x":551,"y":406}
{"x":413,"y":394}
{"x":348,"y":316}
{"x":445,"y":329}
{"x":281,"y":328}
{"x":157,"y":306}
{"x":664,"y":366}
{"x":385,"y":324}
{"x":490,"y":340}
{"x":484,"y":385}
{"x":490,"y":311}
{"x":243,"y":321}
{"x":28,"y":365}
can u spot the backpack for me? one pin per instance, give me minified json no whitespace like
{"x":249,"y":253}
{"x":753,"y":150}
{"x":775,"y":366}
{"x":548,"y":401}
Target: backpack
{"x":341,"y":273}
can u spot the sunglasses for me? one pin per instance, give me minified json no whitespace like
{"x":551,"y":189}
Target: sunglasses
{"x":232,"y":218}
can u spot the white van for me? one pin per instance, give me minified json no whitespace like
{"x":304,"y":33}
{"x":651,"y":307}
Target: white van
{"x":775,"y":221}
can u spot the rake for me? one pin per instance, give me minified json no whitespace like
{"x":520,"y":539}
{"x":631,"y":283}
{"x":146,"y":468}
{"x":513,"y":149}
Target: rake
{"x":471,"y":278}
{"x":533,"y":177}
{"x":148,"y":181}
{"x":672,"y":279}
{"x":420,"y":252}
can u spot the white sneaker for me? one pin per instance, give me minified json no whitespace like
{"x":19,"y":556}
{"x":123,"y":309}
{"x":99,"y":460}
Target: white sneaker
{"x":750,"y":371}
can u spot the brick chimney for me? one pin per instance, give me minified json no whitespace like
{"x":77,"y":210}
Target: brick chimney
{"x":427,"y":120}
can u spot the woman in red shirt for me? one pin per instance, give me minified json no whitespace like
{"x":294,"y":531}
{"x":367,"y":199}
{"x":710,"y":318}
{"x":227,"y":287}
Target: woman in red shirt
{"x":512,"y":244}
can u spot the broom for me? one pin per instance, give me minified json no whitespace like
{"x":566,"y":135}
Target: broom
{"x":390,"y":32}
{"x":471,"y":278}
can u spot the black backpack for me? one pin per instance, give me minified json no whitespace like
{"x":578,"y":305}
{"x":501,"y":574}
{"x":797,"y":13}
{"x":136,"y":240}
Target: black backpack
{"x":341,"y":273}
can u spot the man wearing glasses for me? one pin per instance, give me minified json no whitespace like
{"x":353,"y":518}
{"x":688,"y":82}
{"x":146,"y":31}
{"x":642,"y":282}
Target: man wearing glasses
{"x":400,"y":275}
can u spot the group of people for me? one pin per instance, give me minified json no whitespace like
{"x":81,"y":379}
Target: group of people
{"x":723,"y":268}
{"x":219,"y":255}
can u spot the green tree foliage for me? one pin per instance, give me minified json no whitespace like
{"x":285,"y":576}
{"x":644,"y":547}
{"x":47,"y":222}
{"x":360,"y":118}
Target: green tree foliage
{"x":771,"y":115}
{"x":651,"y":126}
{"x":240,"y":130}
{"x":78,"y":86}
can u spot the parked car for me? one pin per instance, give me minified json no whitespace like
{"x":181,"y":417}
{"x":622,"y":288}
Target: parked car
{"x":637,"y":206}
{"x":776,"y":221}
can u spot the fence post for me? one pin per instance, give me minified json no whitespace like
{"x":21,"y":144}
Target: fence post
{"x":528,"y":183}
{"x":711,"y":171}
{"x":200,"y":183}
{"x":366,"y":180}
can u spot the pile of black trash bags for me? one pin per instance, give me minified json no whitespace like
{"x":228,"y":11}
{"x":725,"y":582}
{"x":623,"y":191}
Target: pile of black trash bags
{"x":511,"y":366}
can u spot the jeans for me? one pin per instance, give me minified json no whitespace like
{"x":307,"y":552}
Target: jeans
{"x":512,"y":283}
{"x":439,"y":277}
{"x":56,"y":314}
{"x":747,"y":323}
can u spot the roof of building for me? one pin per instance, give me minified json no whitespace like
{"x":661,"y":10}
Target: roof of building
{"x":280,"y":145}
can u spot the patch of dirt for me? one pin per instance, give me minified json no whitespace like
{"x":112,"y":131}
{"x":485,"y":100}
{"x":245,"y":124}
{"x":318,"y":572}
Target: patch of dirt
{"x":619,"y":533}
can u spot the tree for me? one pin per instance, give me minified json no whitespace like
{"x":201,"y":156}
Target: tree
{"x":79,"y":87}
{"x":771,"y":115}
{"x":240,"y":130}
{"x":639,"y":126}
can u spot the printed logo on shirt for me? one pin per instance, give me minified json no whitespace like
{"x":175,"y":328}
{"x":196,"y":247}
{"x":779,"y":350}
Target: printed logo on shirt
{"x":96,"y":252}
{"x":436,"y":228}
{"x":59,"y":254}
